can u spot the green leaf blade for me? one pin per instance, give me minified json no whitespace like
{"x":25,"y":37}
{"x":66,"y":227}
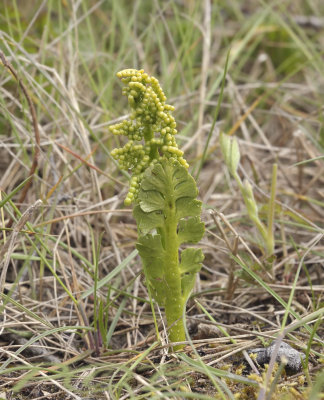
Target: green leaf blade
{"x":147,"y":221}
{"x":165,"y":182}
{"x":191,"y":230}
{"x":153,"y":255}
{"x":167,"y":216}
{"x":191,"y":263}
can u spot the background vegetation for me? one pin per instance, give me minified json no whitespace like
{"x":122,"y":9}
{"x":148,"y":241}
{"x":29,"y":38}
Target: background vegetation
{"x":76,"y":320}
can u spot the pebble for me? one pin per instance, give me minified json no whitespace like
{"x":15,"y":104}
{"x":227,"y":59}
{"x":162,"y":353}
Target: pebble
{"x":292,"y":356}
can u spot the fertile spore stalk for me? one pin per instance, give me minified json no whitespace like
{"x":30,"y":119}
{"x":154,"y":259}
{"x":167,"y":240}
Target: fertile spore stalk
{"x":164,"y":196}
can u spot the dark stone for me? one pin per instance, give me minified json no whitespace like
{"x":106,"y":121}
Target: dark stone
{"x":286,"y":353}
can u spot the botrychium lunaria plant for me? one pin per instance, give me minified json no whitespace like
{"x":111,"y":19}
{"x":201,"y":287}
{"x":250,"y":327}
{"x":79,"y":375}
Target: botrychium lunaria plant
{"x":164,"y":194}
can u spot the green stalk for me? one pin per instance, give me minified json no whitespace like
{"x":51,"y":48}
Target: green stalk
{"x":174,"y":305}
{"x":147,"y":133}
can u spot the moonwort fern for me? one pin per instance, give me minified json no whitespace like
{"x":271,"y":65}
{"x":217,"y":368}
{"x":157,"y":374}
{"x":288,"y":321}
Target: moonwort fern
{"x":166,"y":208}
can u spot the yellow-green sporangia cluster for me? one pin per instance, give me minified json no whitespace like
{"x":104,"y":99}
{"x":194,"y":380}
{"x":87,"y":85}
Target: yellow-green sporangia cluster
{"x":150,"y":129}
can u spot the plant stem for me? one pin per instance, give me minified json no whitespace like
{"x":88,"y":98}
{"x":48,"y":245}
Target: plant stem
{"x":252,"y":209}
{"x":174,"y":305}
{"x":148,"y":136}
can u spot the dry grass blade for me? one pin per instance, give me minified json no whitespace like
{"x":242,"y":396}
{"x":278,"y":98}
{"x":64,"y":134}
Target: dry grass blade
{"x":8,"y":247}
{"x":32,"y":110}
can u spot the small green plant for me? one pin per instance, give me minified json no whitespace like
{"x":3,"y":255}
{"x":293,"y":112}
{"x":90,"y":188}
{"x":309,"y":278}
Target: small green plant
{"x":231,"y":154}
{"x":164,"y":194}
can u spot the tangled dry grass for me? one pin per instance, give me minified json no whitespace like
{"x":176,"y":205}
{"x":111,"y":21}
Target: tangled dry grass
{"x":76,"y":320}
